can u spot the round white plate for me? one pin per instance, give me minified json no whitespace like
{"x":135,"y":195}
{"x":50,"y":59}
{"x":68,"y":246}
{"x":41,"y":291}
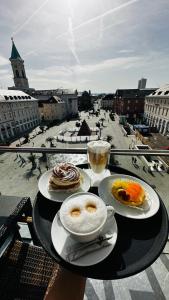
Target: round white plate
{"x":62,"y":242}
{"x":60,"y":196}
{"x":104,"y":191}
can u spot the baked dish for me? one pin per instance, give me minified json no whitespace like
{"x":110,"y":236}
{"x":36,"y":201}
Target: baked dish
{"x":128,"y":192}
{"x":65,"y":177}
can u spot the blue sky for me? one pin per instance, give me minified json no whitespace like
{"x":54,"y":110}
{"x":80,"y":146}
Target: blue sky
{"x":100,"y":45}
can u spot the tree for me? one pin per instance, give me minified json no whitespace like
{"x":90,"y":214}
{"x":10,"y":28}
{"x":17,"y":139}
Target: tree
{"x":32,"y":159}
{"x":44,"y":158}
{"x":42,"y":128}
{"x":85,"y":102}
{"x":50,"y":139}
{"x":102,"y":120}
{"x":109,"y":138}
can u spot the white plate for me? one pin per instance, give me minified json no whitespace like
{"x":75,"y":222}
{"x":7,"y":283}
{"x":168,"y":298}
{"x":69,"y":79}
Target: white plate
{"x":61,"y":195}
{"x":104,"y":191}
{"x":62,"y":242}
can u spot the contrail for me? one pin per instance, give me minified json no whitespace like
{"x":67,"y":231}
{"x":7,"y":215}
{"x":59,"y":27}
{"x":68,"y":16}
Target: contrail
{"x":30,"y":18}
{"x":109,"y":12}
{"x":71,"y":40}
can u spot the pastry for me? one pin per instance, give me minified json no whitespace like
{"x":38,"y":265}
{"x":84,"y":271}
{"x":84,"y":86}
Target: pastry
{"x":65,"y":176}
{"x":128,"y":192}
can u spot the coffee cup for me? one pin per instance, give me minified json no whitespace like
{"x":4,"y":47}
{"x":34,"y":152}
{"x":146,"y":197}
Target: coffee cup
{"x":83,"y":215}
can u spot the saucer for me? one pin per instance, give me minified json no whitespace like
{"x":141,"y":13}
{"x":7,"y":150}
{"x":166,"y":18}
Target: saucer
{"x":61,"y":195}
{"x":104,"y":192}
{"x":62,"y":241}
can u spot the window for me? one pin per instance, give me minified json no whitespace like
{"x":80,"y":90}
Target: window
{"x":17,"y":73}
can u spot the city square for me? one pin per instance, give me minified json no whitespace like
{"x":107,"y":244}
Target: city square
{"x":28,"y":181}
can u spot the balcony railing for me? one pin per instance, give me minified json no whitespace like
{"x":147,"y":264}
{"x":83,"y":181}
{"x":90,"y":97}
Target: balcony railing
{"x":82,"y":151}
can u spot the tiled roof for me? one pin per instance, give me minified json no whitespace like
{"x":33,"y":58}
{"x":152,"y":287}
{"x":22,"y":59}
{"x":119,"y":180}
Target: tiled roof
{"x":14,"y":95}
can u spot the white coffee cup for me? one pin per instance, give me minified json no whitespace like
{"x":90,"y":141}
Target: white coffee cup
{"x":83,"y":215}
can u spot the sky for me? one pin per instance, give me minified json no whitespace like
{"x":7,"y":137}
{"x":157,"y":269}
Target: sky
{"x":101,"y":45}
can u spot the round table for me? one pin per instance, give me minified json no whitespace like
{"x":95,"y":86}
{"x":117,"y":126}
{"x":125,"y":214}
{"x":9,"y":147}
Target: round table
{"x":139,"y":242}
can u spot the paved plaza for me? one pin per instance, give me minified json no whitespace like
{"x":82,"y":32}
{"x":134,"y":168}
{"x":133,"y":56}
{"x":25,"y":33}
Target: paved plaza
{"x":16,"y":177}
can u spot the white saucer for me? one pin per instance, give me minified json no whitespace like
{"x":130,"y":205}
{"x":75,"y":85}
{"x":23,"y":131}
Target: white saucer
{"x":60,"y":196}
{"x":104,"y":192}
{"x":62,"y":242}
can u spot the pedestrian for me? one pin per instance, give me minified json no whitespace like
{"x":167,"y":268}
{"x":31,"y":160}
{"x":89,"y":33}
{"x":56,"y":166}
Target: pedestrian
{"x":39,"y":168}
{"x":20,"y":158}
{"x":17,"y":156}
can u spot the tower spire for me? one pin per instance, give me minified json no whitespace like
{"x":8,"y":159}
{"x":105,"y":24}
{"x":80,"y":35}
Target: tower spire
{"x":17,"y":63}
{"x":14,"y":53}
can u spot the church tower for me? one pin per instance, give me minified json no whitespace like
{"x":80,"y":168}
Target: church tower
{"x":17,"y":63}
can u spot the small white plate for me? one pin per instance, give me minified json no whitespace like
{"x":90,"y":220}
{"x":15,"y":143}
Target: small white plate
{"x":104,"y":191}
{"x":60,"y":196}
{"x":62,"y":242}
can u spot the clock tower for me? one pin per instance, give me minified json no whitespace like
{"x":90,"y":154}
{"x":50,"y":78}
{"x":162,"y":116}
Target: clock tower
{"x":17,"y":63}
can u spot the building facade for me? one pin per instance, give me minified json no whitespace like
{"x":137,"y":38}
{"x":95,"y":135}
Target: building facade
{"x":19,"y":113}
{"x":142,"y":83}
{"x":107,"y":102}
{"x":130,"y":102}
{"x":157,"y":109}
{"x":52,"y":109}
{"x":64,"y":102}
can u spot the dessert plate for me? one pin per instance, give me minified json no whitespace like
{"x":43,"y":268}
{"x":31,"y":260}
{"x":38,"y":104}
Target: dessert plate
{"x":104,"y":191}
{"x":63,"y":242}
{"x":60,"y":196}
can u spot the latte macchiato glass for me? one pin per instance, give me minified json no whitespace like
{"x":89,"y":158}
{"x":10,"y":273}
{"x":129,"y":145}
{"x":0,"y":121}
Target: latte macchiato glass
{"x":84,"y":215}
{"x":98,"y":155}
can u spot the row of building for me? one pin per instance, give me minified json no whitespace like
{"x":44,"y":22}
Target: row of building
{"x":20,"y":112}
{"x":22,"y":108}
{"x":150,"y":105}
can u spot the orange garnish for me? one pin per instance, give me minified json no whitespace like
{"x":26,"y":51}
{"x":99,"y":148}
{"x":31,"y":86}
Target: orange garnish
{"x":134,"y":190}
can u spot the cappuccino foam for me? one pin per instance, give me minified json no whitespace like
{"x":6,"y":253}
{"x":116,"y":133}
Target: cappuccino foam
{"x":83,"y":214}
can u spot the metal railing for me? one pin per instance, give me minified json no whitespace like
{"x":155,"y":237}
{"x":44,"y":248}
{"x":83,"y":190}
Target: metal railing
{"x":127,"y":152}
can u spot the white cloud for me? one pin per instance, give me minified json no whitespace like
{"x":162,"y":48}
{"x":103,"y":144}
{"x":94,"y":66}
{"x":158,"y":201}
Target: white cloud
{"x":117,"y":62}
{"x":3,"y":61}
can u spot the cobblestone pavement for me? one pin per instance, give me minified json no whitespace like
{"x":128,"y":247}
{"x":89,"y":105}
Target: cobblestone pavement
{"x":16,"y":177}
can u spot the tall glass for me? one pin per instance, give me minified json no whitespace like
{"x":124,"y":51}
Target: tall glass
{"x":98,"y":155}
